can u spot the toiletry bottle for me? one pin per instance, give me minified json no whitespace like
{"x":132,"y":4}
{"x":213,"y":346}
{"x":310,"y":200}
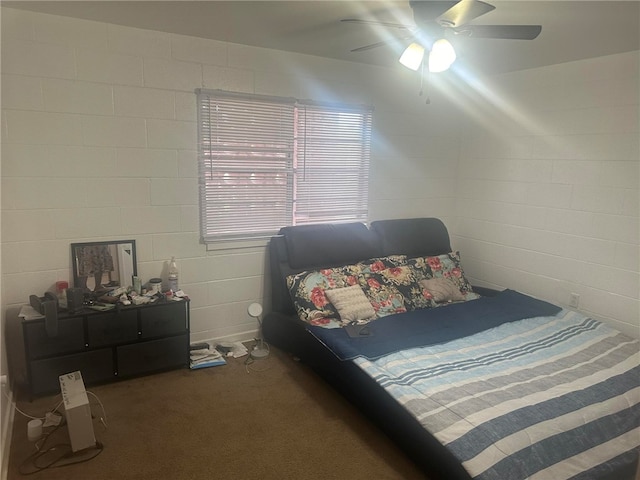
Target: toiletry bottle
{"x":61,"y":293}
{"x":173,"y":275}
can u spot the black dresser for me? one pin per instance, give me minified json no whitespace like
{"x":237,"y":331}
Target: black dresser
{"x":105,"y":346}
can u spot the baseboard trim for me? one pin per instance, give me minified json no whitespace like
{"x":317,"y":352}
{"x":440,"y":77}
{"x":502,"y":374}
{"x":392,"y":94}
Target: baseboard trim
{"x":242,"y":337}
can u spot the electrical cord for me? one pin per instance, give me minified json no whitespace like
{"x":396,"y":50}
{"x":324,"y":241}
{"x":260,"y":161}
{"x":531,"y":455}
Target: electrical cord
{"x":103,"y":419}
{"x":60,"y":454}
{"x":250,"y":360}
{"x":15,"y":406}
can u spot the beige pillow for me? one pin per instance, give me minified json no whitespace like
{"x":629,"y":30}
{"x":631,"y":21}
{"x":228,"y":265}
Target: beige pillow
{"x":442,"y":290}
{"x":351,"y":303}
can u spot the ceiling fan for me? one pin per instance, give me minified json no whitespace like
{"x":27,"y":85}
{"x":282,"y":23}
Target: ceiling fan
{"x":435,"y":19}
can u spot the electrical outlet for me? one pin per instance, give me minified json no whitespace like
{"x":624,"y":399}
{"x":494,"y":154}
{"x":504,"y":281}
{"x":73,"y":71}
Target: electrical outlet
{"x":3,"y":380}
{"x":574,"y":300}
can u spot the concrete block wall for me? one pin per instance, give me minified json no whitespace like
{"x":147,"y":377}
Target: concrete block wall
{"x":548,"y":186}
{"x":99,"y":142}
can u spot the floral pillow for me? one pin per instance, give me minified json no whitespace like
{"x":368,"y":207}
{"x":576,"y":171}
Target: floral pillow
{"x":391,"y":284}
{"x":446,"y":266}
{"x":307,"y":289}
{"x":379,"y":264}
{"x":383,"y":289}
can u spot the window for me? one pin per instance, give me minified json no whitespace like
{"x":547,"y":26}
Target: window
{"x":270,"y":162}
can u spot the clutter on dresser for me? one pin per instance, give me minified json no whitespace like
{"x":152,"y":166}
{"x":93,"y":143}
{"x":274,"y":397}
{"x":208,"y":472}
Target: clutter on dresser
{"x":105,"y":276}
{"x":105,"y":298}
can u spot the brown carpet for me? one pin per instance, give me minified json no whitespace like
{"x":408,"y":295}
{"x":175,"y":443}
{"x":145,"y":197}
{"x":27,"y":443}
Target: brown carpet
{"x":276,"y":421}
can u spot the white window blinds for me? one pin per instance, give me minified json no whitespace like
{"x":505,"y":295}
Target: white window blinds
{"x":269,"y":162}
{"x":333,"y":151}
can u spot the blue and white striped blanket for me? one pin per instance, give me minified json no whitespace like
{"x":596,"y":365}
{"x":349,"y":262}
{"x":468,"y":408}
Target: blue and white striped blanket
{"x":553,"y":397}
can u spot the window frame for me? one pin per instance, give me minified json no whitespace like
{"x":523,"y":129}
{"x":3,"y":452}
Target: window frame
{"x":221,"y":147}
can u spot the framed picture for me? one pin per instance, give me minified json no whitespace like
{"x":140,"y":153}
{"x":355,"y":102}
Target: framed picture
{"x":105,"y":265}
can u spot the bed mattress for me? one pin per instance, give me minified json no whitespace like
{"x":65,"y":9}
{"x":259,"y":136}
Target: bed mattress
{"x":553,"y":396}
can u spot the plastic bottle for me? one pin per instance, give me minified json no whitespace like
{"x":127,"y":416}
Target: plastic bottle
{"x":173,"y":275}
{"x":61,"y":293}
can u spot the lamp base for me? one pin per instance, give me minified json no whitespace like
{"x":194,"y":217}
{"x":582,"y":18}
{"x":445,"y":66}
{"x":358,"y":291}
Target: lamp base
{"x":259,"y":352}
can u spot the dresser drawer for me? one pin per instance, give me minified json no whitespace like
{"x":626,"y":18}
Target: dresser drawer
{"x":104,"y":345}
{"x":112,"y":328}
{"x":70,"y":338}
{"x":146,"y":357}
{"x":170,"y":319}
{"x":96,"y":366}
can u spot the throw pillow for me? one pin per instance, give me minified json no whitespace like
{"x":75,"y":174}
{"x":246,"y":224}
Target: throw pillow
{"x":442,"y":290}
{"x":447,"y":265}
{"x":307,"y":290}
{"x":351,"y":303}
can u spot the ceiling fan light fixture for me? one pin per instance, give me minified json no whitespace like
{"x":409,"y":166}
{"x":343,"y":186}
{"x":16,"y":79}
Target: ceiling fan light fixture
{"x":412,"y":56}
{"x":442,"y":56}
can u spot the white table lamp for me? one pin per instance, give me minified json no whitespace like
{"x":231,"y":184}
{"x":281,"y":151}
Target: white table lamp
{"x":260,"y":350}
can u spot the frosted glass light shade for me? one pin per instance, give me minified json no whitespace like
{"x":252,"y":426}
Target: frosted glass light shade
{"x":442,"y":55}
{"x":412,"y":56}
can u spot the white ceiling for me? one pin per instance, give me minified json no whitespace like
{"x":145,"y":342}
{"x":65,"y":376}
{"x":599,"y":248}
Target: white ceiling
{"x":571,"y":30}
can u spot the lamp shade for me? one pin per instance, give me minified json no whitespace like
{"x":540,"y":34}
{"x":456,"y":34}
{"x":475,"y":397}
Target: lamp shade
{"x":442,"y":55}
{"x":254,"y":310}
{"x":412,"y":56}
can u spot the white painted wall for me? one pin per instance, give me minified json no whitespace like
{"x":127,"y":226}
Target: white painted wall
{"x":99,"y":142}
{"x":548,"y":186}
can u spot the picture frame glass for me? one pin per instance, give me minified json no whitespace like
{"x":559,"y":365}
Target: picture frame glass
{"x":99,"y":266}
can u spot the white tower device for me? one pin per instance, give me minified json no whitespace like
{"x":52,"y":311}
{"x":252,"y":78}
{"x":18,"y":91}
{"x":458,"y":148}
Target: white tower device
{"x":77,"y":411}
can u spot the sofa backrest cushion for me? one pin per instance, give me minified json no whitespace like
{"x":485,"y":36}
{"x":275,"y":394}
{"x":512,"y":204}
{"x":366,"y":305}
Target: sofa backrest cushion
{"x":327,"y":244}
{"x":413,"y":237}
{"x":312,"y":247}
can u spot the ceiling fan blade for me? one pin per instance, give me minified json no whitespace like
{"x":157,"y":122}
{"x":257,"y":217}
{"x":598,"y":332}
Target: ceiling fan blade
{"x":514,"y":32}
{"x":382,"y":24}
{"x":463,"y":12}
{"x":381,"y":44}
{"x":370,"y":47}
{"x":391,"y":41}
{"x":428,"y":11}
